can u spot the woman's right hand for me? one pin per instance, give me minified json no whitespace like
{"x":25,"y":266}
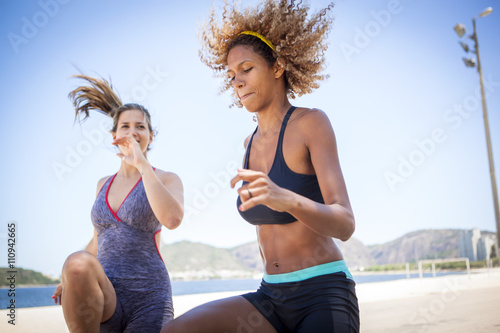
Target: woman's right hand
{"x":261,"y":190}
{"x":58,"y":294}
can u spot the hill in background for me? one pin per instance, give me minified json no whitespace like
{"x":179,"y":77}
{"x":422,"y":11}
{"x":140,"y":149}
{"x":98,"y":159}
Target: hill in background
{"x":24,"y":277}
{"x":417,"y":245}
{"x":187,"y":260}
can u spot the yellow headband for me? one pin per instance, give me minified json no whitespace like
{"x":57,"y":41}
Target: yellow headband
{"x":259,"y":36}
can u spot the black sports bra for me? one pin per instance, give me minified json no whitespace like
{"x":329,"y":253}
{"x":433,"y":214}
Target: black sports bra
{"x":281,"y":175}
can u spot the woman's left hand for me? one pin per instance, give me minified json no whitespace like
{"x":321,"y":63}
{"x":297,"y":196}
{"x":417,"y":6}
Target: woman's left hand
{"x":130,"y":150}
{"x":260,"y":190}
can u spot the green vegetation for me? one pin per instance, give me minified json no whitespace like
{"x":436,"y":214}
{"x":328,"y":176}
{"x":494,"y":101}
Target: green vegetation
{"x":25,"y":277}
{"x":462,"y":265}
{"x":389,"y":267}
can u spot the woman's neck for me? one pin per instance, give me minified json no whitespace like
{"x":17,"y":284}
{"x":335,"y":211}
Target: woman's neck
{"x":271,"y":117}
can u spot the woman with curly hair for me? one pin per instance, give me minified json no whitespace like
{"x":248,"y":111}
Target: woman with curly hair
{"x":293,"y":189}
{"x":120,"y":283}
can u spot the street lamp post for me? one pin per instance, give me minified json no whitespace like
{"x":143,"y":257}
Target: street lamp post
{"x":460,"y":29}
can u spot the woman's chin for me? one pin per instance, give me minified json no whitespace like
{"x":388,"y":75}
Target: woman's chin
{"x":249,"y":107}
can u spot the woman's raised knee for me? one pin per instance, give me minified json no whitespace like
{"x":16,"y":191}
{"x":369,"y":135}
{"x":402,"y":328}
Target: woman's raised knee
{"x":79,"y":265}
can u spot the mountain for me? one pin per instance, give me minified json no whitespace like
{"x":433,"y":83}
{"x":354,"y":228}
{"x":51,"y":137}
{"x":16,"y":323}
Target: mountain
{"x":355,"y":253}
{"x":417,"y":245}
{"x":422,"y":244}
{"x":249,"y":255}
{"x":187,"y":260}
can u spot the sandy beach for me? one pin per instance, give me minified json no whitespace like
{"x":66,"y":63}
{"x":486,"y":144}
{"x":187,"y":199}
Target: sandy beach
{"x":442,"y":304}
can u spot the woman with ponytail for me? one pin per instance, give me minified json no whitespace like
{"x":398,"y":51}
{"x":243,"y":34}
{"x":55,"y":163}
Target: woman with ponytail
{"x":120,"y":283}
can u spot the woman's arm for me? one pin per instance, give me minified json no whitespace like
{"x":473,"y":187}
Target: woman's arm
{"x":163,"y":189}
{"x":335,"y":217}
{"x":165,"y":194}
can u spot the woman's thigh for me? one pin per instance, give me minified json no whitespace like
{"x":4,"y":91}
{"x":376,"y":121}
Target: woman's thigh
{"x":234,"y":314}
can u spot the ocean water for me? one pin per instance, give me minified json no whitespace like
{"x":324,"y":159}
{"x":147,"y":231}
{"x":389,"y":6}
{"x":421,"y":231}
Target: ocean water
{"x":41,"y":296}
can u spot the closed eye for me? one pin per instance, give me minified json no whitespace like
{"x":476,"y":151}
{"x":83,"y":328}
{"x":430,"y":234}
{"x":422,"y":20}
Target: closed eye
{"x":231,"y":78}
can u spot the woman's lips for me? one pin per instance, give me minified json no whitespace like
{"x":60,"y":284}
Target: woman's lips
{"x":245,"y":96}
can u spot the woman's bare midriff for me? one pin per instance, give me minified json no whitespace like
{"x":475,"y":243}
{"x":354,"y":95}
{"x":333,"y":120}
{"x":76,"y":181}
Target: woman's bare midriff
{"x":290,"y":247}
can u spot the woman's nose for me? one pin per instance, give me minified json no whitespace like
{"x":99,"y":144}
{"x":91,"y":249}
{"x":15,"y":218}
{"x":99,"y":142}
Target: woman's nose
{"x":237,"y":83}
{"x":132,"y":132}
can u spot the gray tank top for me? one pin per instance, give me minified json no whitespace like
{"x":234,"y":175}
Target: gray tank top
{"x":126,"y":246}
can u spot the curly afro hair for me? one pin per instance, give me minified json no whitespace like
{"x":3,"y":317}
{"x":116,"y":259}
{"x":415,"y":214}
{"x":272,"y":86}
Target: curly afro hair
{"x":298,"y":39}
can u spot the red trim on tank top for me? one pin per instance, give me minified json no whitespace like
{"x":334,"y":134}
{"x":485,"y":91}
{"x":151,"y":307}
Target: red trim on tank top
{"x":156,"y":245}
{"x":115,"y":214}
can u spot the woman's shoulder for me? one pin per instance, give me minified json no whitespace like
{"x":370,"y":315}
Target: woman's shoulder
{"x":308,"y":118}
{"x":101,"y":183}
{"x":247,"y":140}
{"x":167,"y":176}
{"x":310,"y":114}
{"x":103,"y":180}
{"x":160,"y":172}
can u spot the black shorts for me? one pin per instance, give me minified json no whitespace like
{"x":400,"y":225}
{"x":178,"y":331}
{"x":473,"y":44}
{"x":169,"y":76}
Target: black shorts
{"x":326,"y":303}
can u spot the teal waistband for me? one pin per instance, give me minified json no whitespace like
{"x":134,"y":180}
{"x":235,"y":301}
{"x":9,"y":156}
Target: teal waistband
{"x":310,"y":272}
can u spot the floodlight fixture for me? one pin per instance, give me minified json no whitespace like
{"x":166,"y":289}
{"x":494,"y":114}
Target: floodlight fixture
{"x":465,"y":46}
{"x":486,"y":12}
{"x":469,"y":62}
{"x":459,"y":29}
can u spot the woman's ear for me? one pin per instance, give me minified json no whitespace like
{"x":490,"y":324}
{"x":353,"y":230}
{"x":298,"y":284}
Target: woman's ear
{"x":279,"y":67}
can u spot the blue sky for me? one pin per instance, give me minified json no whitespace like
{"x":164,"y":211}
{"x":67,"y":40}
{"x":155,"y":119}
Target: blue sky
{"x":397,"y":85}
